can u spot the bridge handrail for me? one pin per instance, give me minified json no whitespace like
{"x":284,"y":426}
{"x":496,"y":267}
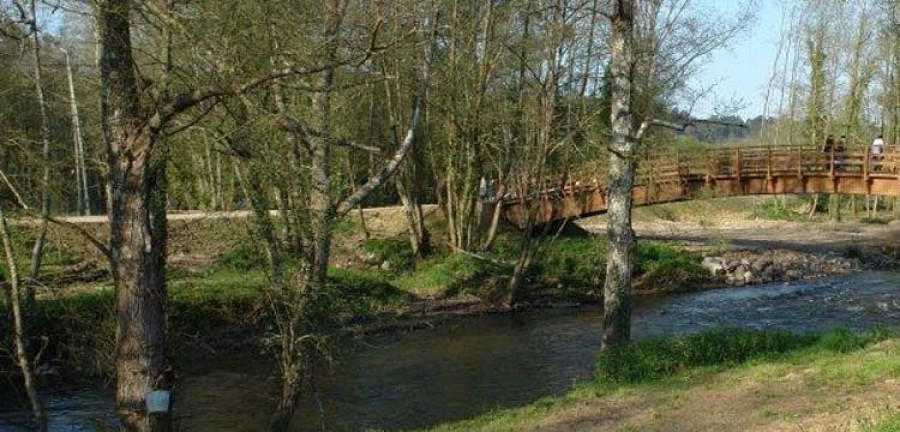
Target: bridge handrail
{"x":679,"y":165}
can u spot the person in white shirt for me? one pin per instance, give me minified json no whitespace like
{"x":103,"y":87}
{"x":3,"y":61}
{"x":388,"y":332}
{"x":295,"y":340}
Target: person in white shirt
{"x":877,"y":150}
{"x":878,"y":146}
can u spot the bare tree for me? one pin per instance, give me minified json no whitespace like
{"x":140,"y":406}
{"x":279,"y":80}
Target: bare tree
{"x":23,"y":356}
{"x":81,"y":179}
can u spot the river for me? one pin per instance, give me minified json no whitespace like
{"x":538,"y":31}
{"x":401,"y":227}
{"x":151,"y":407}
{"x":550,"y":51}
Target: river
{"x":452,"y":372}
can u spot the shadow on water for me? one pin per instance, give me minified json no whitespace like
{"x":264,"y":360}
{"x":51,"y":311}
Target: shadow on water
{"x":453,"y":372}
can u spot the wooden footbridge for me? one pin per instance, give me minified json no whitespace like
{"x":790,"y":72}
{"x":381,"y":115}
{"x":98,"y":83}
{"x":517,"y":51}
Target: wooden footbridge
{"x":718,"y":172}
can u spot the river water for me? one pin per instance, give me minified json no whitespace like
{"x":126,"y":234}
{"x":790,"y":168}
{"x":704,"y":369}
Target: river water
{"x":452,"y":372}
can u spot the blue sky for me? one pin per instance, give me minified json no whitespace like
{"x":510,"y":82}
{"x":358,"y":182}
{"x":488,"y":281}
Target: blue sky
{"x":742,"y":70}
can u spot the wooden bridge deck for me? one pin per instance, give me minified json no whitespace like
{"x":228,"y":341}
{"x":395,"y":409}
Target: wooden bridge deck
{"x":719,"y":172}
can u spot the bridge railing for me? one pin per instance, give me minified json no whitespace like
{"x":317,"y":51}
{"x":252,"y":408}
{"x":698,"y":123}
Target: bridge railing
{"x":746,"y":161}
{"x":735,"y":162}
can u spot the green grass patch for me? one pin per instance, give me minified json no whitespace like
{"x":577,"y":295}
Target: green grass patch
{"x":446,"y":275}
{"x":395,"y":250}
{"x":889,"y":423}
{"x":667,"y":266}
{"x":657,"y":358}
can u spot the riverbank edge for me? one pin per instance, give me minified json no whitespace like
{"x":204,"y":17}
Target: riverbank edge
{"x":213,"y":324}
{"x":604,"y":403}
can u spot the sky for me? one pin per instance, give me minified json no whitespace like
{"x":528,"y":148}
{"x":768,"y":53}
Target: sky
{"x":742,"y":70}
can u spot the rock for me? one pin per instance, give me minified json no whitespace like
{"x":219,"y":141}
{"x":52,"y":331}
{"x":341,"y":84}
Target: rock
{"x":715,"y":265}
{"x":386,"y":266}
{"x":370,"y":258}
{"x":758,"y":265}
{"x":748,"y":277}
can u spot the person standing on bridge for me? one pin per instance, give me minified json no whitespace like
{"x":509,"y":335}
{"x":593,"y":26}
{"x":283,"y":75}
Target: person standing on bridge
{"x":877,"y":151}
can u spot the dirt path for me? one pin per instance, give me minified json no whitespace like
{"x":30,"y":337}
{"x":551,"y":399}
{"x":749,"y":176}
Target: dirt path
{"x":735,"y":229}
{"x":766,"y":234}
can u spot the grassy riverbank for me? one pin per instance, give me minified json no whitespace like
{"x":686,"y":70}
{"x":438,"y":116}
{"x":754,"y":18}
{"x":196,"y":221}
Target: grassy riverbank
{"x":217,"y":283}
{"x":726,"y":380}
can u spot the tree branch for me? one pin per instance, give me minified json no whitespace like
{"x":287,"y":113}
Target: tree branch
{"x":680,"y":127}
{"x":412,"y":135}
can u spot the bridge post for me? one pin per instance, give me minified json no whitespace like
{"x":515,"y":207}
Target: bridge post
{"x":738,"y":174}
{"x":867,"y":158}
{"x":831,"y":164}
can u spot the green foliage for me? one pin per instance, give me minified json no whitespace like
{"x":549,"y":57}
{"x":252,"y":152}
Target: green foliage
{"x":396,"y":250}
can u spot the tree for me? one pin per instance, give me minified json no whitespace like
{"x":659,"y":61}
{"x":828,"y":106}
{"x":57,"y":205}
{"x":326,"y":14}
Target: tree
{"x":622,"y":154}
{"x":137,"y":221}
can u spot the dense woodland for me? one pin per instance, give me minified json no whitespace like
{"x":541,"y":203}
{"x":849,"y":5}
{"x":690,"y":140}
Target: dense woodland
{"x":313,"y":109}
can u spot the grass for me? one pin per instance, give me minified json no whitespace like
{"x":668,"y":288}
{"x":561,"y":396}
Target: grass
{"x":889,"y":423}
{"x":665,"y":373}
{"x":656,"y":358}
{"x":564,"y":268}
{"x":785,"y":209}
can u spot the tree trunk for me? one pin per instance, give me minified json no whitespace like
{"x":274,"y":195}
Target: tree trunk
{"x":621,"y":238}
{"x":523,"y":263}
{"x":23,"y":357}
{"x":419,"y":237}
{"x":137,"y":227}
{"x":83,"y":199}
